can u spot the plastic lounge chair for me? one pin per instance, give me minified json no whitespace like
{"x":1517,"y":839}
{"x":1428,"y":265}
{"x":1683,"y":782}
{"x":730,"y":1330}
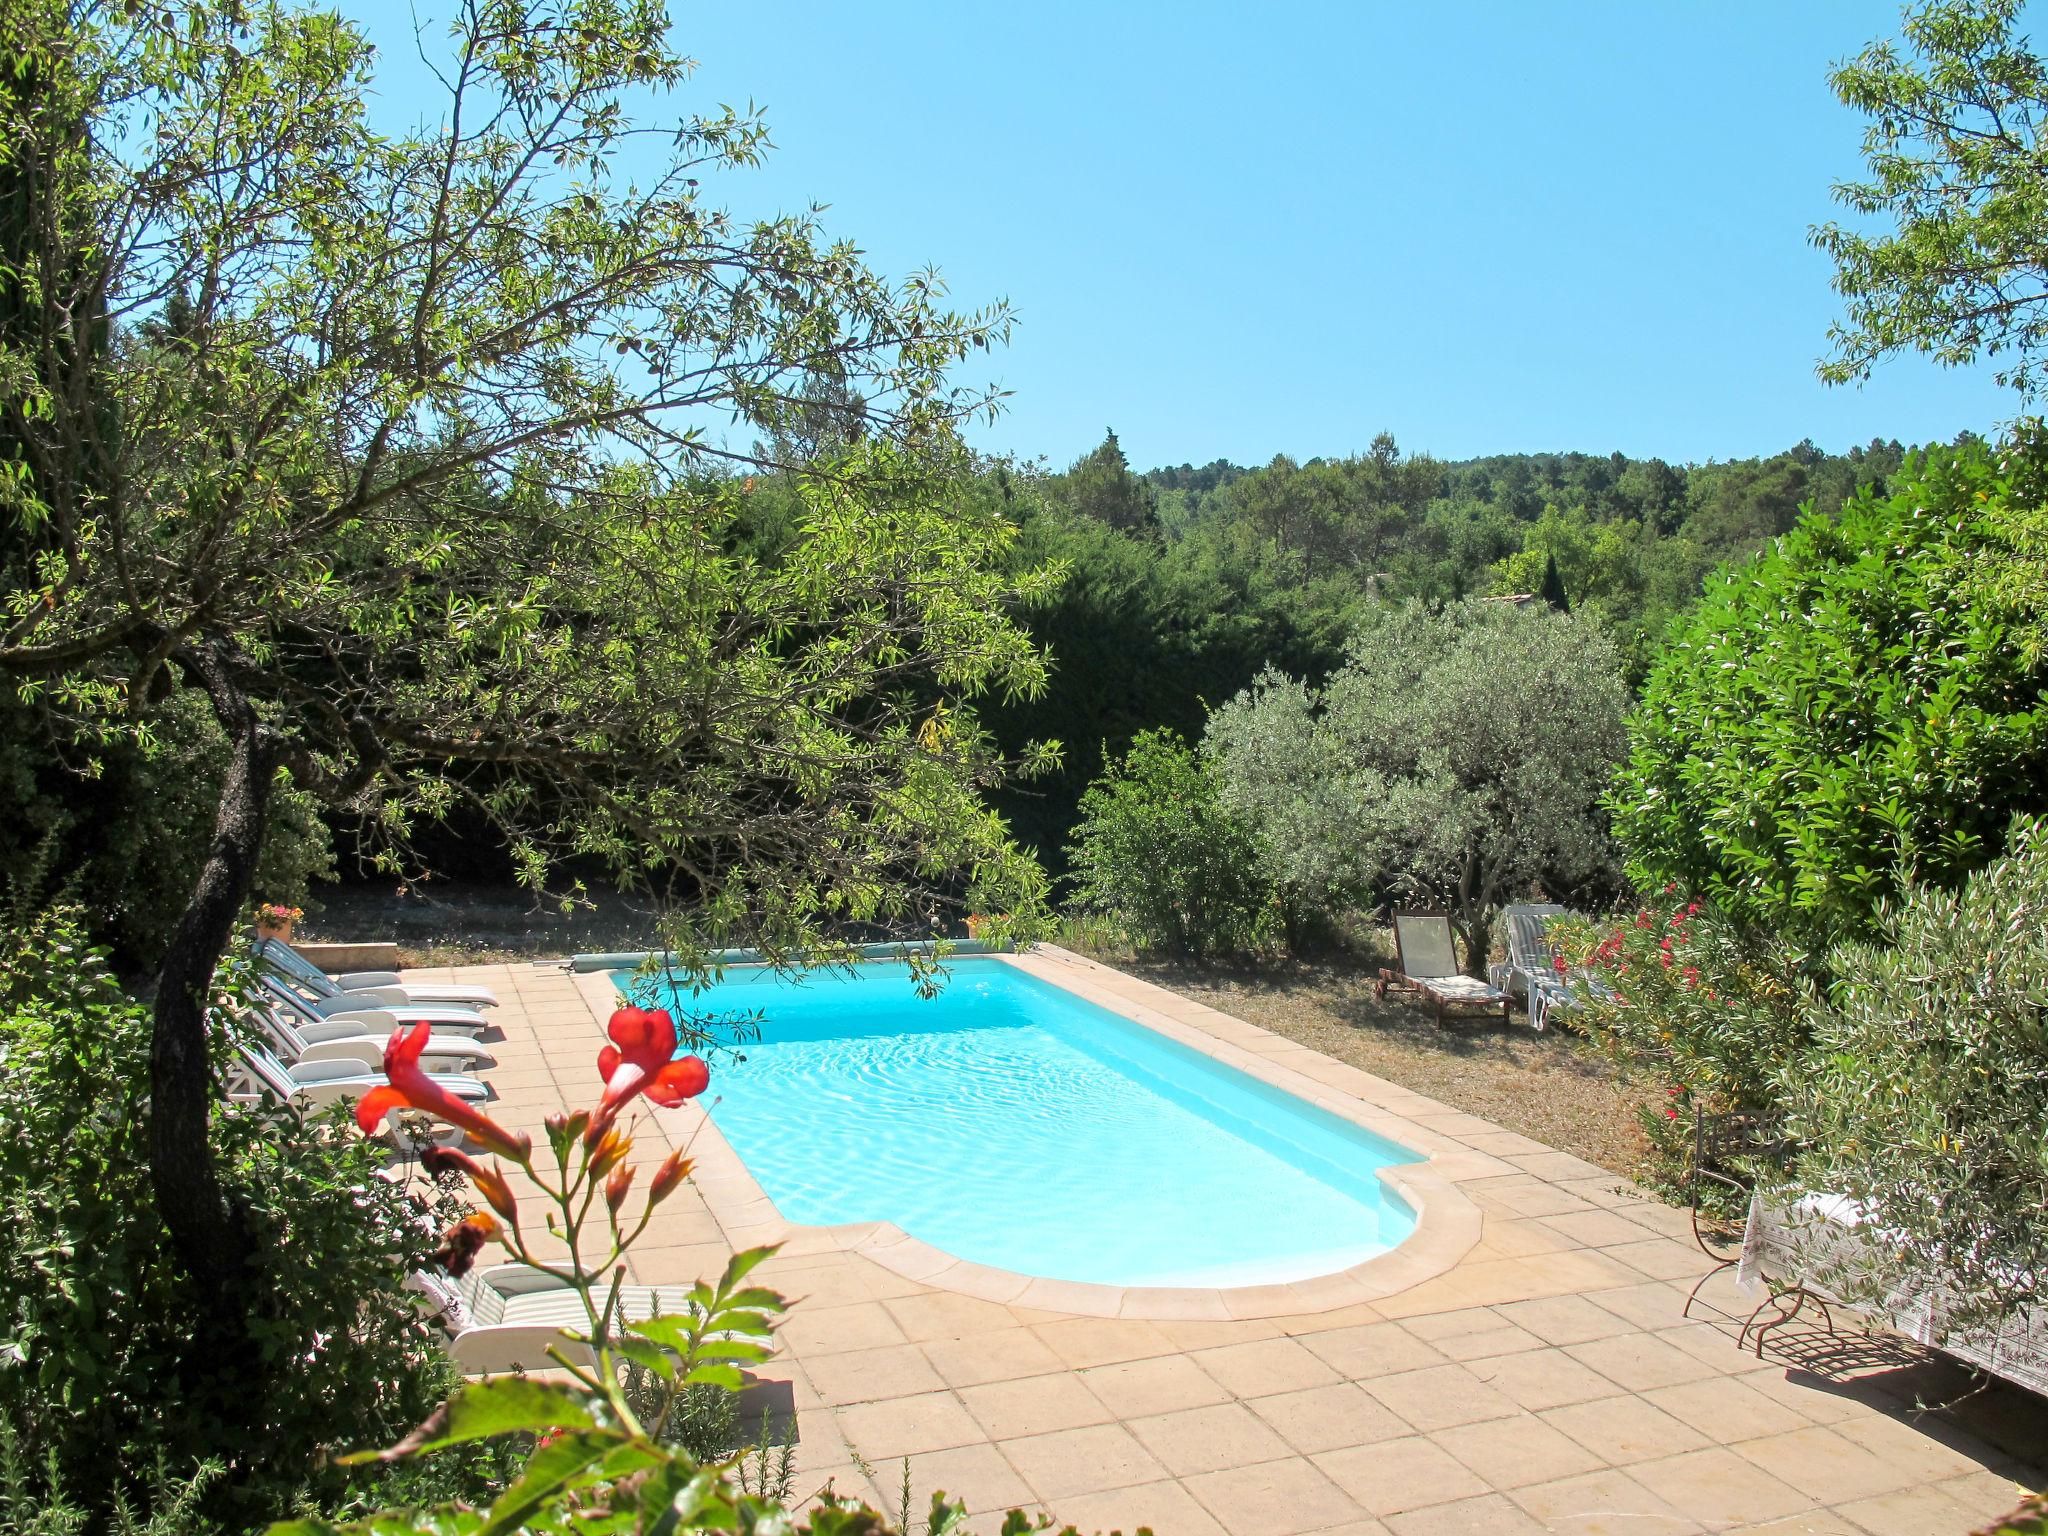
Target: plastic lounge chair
{"x":281,"y":958}
{"x":362,"y":1040}
{"x":1530,"y":966}
{"x":384,"y":1004}
{"x":507,"y":1316}
{"x":316,"y":1084}
{"x":1427,"y":956}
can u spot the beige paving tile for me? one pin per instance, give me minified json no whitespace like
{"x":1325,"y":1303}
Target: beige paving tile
{"x":1639,"y":1361}
{"x":1814,"y":1522}
{"x":1274,"y":1498}
{"x":1662,"y":1259}
{"x":974,"y":1475}
{"x":1085,"y":1341}
{"x":1134,"y":1389}
{"x":1398,"y":1475}
{"x":1165,"y":1507}
{"x":1209,"y":1439}
{"x":1440,"y":1396}
{"x":1911,"y":1512}
{"x":1372,"y":1349}
{"x":1081,"y":1461}
{"x":1329,"y":1418}
{"x":1033,"y":1405}
{"x":1606,"y":1503}
{"x":1926,"y":1452}
{"x":1623,"y":1430}
{"x":1542,"y":1378}
{"x":1596,"y":1229}
{"x":834,"y":1330}
{"x":1487,"y":1515}
{"x":1511,"y":1453}
{"x":1263,"y":1366}
{"x":908,"y":1426}
{"x":1563,"y":1319}
{"x":863,"y":1375}
{"x":939,"y":1315}
{"x":1726,"y":1409}
{"x":1717,"y":1487}
{"x":1823,"y":1465}
{"x":1648,"y":1304}
{"x":1000,"y":1356}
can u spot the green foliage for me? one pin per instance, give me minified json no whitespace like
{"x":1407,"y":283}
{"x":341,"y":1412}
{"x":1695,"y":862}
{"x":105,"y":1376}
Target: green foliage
{"x":1846,"y":713}
{"x":36,"y":1502}
{"x":1101,"y":486}
{"x":119,"y":831}
{"x":1957,"y":164}
{"x":1927,"y":1089}
{"x":401,"y":445}
{"x":96,"y":1313}
{"x":1711,"y":1012}
{"x":1456,"y":759}
{"x":1158,"y":852}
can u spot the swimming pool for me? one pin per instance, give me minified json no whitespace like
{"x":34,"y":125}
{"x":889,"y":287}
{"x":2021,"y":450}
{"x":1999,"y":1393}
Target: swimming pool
{"x":1015,"y":1124}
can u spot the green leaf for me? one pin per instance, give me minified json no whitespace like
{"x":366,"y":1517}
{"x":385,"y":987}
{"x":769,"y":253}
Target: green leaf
{"x":501,"y":1406}
{"x":555,"y":1468}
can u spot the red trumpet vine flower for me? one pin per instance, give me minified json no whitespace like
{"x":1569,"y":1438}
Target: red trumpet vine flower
{"x":642,"y":1059}
{"x":409,"y":1087}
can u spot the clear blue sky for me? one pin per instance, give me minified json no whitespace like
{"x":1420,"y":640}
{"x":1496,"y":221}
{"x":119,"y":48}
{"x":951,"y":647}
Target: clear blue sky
{"x":1232,"y":231}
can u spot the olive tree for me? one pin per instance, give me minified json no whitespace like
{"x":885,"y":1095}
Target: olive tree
{"x":413,"y":455}
{"x":1456,"y":759}
{"x":1926,"y":1089}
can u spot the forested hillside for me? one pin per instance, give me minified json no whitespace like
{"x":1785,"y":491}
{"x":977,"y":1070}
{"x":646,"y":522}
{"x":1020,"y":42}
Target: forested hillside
{"x":1187,"y":581}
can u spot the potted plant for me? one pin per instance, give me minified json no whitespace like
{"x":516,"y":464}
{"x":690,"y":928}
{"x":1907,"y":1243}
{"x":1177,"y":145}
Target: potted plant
{"x":274,"y":921}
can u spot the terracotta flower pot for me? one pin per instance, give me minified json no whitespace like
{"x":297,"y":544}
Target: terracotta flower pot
{"x":282,"y":932}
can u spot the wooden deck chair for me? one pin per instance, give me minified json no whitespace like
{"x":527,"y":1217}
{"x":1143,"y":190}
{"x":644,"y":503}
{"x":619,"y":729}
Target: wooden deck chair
{"x":1427,"y":956}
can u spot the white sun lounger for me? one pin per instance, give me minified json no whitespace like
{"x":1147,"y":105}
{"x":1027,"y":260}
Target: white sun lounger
{"x":506,"y":1316}
{"x":361,"y":1006}
{"x":317,"y":1084}
{"x":286,"y":961}
{"x":362,"y":1040}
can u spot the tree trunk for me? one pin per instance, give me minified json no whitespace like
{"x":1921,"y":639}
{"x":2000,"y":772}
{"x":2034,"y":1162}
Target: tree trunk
{"x":209,"y":1234}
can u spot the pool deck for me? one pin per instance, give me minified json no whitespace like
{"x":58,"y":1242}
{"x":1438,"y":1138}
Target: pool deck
{"x":1519,"y":1365}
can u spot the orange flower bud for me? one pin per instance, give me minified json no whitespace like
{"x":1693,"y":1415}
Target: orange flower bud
{"x":490,"y":1182}
{"x":616,"y":1186}
{"x":609,"y":1152}
{"x":673,"y":1170}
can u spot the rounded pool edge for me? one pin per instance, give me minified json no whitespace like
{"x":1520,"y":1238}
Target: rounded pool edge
{"x":1447,"y":1222}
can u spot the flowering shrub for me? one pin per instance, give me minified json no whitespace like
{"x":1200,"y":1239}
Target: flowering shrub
{"x":599,"y":1464}
{"x":275,"y":914}
{"x":1678,"y":992}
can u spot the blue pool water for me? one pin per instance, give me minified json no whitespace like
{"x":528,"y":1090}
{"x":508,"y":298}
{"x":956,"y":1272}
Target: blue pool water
{"x":1013,"y":1123}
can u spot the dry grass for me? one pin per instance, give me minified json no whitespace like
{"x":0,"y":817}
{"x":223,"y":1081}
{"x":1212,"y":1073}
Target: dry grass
{"x":1551,"y":1086}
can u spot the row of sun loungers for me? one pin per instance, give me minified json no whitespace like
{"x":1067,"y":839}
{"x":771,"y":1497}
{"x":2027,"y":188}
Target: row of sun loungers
{"x":310,"y":1040}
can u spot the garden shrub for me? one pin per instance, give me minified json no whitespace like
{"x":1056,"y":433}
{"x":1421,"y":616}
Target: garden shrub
{"x":95,"y":1312}
{"x":1851,"y":711}
{"x":1926,"y":1093}
{"x":1708,"y":1011}
{"x":1157,"y":851}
